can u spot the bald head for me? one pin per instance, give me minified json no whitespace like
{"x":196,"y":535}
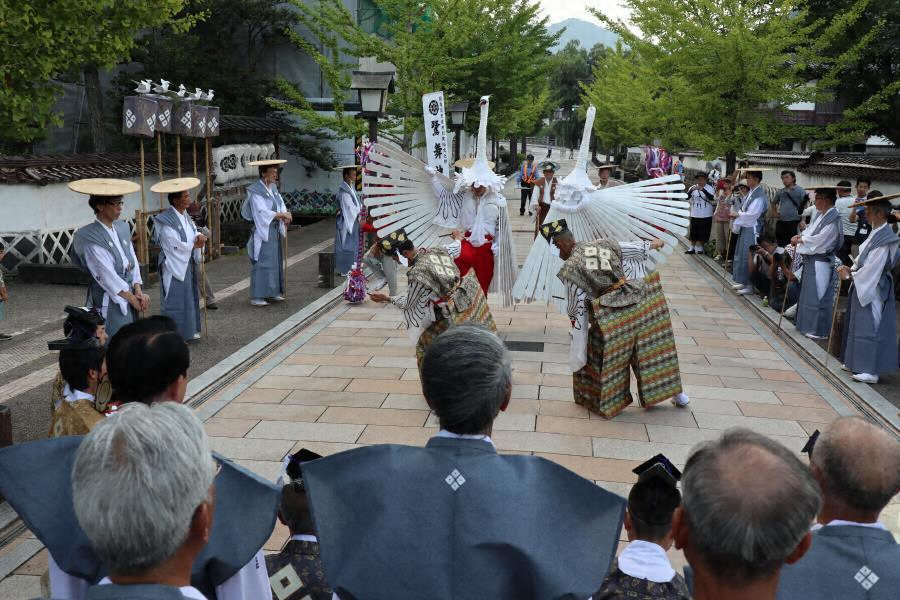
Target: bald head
{"x":748,"y":502}
{"x":857,"y":464}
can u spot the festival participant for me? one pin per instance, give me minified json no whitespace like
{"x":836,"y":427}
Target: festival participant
{"x":265,"y":208}
{"x":437,"y":297}
{"x":818,"y":244}
{"x":103,"y":249}
{"x":180,"y":250}
{"x":748,"y":226}
{"x":870,"y":348}
{"x":643,"y":570}
{"x":455,"y":519}
{"x":604,"y":172}
{"x":347,"y":224}
{"x":403,"y":191}
{"x":617,"y":322}
{"x":77,"y":406}
{"x":703,"y":205}
{"x":296,"y":573}
{"x":544,"y":194}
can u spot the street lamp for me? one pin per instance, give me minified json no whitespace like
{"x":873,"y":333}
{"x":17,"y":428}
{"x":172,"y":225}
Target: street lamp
{"x":457,"y":121}
{"x":373,"y":88}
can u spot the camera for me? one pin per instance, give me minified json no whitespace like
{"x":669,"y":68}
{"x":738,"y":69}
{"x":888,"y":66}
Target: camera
{"x":754,"y":247}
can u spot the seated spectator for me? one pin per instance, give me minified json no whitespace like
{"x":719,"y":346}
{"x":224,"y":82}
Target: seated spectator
{"x":147,"y":363}
{"x":142,"y":488}
{"x":857,"y":465}
{"x":296,"y":572}
{"x":747,"y":506}
{"x":759,"y":262}
{"x":455,"y":519}
{"x":643,"y":570}
{"x":75,"y":407}
{"x":787,"y":265}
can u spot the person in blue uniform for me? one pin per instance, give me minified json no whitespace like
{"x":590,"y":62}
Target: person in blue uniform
{"x":455,"y":519}
{"x":103,"y":249}
{"x":180,"y":251}
{"x":347,"y":224}
{"x":265,"y":208}
{"x":818,"y":244}
{"x":870,"y":347}
{"x":748,"y":226}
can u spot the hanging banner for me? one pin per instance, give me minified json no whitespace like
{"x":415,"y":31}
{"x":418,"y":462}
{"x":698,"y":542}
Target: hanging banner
{"x":436,"y":132}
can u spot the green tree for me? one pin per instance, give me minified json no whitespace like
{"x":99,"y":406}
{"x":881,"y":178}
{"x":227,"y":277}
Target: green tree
{"x":42,"y":40}
{"x":570,"y":69}
{"x":727,"y":70}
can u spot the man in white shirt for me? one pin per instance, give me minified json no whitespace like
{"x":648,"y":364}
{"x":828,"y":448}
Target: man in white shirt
{"x":703,"y":205}
{"x":818,"y":244}
{"x":104,"y":250}
{"x":180,"y":251}
{"x":853,"y":555}
{"x":265,"y":208}
{"x":844,"y":199}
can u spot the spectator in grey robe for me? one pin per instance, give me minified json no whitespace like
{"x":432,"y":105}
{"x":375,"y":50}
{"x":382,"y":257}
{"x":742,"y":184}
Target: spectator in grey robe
{"x":747,"y":506}
{"x":853,"y":555}
{"x":142,"y":488}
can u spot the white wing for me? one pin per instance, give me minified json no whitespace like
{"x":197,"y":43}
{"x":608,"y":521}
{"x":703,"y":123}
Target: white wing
{"x":399,"y":195}
{"x":655,"y":208}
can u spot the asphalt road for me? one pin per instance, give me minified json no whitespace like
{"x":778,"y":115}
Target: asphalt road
{"x":35,"y":316}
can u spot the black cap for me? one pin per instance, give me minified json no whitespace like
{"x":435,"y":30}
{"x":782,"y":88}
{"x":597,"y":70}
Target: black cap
{"x":810,"y":443}
{"x":548,"y":230}
{"x":658,"y":467}
{"x":294,"y":470}
{"x":392,"y":241}
{"x":80,"y":329}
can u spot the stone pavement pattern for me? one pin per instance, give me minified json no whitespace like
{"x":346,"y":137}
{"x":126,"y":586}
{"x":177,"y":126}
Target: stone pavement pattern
{"x":355,"y":382}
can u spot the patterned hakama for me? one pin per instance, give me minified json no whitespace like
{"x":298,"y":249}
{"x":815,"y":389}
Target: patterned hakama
{"x":466,"y":305}
{"x":267,"y":276}
{"x":638,"y":336}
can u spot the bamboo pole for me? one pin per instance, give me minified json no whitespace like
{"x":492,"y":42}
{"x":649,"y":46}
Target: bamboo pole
{"x":202,"y":285}
{"x":178,"y":153}
{"x":145,"y":252}
{"x":209,"y":206}
{"x":159,"y":165}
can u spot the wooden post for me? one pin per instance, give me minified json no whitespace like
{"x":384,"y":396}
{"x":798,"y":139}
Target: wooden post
{"x":159,"y":166}
{"x":178,"y":153}
{"x":209,"y":207}
{"x":141,"y":225}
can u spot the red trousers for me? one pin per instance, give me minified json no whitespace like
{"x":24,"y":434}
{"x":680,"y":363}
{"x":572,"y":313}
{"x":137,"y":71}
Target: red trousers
{"x":481,"y":259}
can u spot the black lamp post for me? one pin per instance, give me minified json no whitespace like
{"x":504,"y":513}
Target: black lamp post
{"x":457,"y":122}
{"x":373,"y":88}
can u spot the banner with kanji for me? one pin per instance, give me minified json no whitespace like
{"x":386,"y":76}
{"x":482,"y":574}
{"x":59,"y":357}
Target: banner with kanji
{"x":436,"y":132}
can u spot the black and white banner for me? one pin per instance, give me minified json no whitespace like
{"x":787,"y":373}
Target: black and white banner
{"x":436,"y":146}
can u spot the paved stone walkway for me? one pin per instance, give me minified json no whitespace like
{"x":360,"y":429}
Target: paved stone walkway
{"x":350,"y":379}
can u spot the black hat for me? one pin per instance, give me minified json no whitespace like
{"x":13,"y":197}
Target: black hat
{"x":549,"y":165}
{"x":554,"y":228}
{"x":810,"y":443}
{"x":294,"y":470}
{"x":658,"y":467}
{"x":80,"y":329}
{"x":393,"y":240}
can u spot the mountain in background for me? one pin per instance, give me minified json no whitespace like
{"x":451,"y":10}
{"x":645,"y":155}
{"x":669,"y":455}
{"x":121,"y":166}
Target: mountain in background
{"x":588,"y":34}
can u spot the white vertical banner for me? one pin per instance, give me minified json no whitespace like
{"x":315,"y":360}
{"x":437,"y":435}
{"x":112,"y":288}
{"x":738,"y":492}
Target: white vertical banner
{"x":436,"y":147}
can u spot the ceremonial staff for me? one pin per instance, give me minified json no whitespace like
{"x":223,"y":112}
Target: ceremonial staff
{"x":202,"y":286}
{"x":837,"y":295}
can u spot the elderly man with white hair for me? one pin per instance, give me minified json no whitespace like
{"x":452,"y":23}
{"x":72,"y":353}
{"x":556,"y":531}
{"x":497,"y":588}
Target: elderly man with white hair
{"x":142,"y":488}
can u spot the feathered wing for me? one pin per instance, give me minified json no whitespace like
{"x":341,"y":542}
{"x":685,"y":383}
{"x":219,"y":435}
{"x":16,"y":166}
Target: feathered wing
{"x":505,"y":269}
{"x":655,"y":208}
{"x":400,"y":195}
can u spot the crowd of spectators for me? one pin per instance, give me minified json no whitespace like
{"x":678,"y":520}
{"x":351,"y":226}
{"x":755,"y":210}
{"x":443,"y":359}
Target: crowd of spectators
{"x":155,"y":505}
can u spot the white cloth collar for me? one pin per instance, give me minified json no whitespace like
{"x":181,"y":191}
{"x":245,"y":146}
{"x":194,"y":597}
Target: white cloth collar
{"x":839,"y":522}
{"x":646,"y":560}
{"x":75,"y":395}
{"x":443,"y":433}
{"x":187,"y":591}
{"x":303,"y":537}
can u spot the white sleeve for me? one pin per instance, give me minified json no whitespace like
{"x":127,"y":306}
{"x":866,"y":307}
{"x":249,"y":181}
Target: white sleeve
{"x":177,"y":252}
{"x":866,"y":277}
{"x":454,"y":249}
{"x":749,"y":217}
{"x":63,"y":585}
{"x":251,"y":581}
{"x":576,"y":307}
{"x":633,"y":256}
{"x":449,"y":204}
{"x":100,"y":263}
{"x":819,"y":242}
{"x":136,"y":274}
{"x":262,"y":216}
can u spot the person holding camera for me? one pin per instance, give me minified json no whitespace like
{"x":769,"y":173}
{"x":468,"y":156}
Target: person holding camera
{"x":759,"y":262}
{"x":785,"y":273}
{"x":703,"y":205}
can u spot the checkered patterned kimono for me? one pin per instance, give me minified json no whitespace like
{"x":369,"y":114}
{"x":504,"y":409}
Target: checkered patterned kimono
{"x":438,"y":298}
{"x":628,"y":327}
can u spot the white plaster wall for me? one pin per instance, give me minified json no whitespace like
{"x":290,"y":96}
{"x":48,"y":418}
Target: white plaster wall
{"x":27,"y":207}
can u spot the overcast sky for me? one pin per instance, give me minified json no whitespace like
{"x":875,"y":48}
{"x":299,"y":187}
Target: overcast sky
{"x":559,"y":10}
